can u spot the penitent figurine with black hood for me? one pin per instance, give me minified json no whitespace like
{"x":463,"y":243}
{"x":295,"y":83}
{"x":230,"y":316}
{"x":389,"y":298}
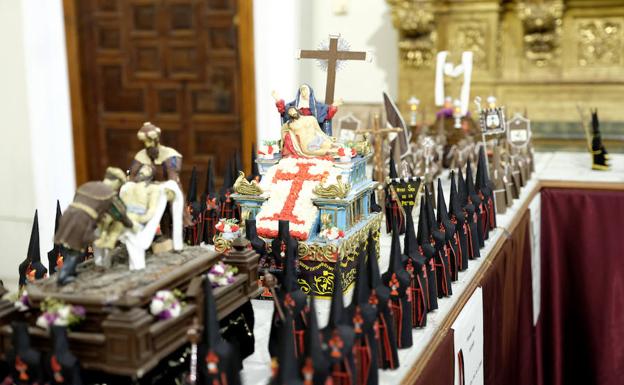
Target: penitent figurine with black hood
{"x":31,"y":268}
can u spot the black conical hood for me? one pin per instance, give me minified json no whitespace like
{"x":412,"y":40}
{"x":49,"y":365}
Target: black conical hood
{"x":361,"y":291}
{"x":410,"y":244}
{"x":393,"y":170}
{"x":58,"y":216}
{"x":423,"y":224}
{"x":33,"y":246}
{"x":290,"y":271}
{"x":254,"y":166}
{"x":336,"y":310}
{"x":283,"y":229}
{"x":212,"y":337}
{"x":454,"y":206}
{"x":313,"y":344}
{"x":238,"y":165}
{"x":595,"y":122}
{"x":374,"y":279}
{"x":462,"y":191}
{"x":395,"y":265}
{"x":442,"y":210}
{"x":470,"y":187}
{"x":288,"y":367}
{"x":209,"y":187}
{"x":191,"y":193}
{"x":483,"y":179}
{"x":227,"y":177}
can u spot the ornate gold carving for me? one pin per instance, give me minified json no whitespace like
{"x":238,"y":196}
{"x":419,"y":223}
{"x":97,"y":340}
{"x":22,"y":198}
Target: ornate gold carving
{"x":542,"y":30}
{"x":323,"y":285}
{"x":337,"y":190}
{"x":600,"y":43}
{"x":416,"y":25}
{"x":244,"y":187}
{"x":221,"y":245}
{"x":470,"y":36}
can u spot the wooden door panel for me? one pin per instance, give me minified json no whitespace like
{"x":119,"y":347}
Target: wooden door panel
{"x":172,"y":62}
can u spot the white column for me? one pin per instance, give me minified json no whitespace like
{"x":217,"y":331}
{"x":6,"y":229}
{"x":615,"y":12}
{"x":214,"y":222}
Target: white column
{"x":36,"y":128}
{"x":276,"y":39}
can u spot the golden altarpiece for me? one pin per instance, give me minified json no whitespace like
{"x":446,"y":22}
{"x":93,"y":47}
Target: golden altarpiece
{"x":543,"y":57}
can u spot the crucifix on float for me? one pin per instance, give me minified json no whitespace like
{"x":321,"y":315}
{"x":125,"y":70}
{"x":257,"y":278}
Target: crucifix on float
{"x":378,"y":135}
{"x":332,"y":55}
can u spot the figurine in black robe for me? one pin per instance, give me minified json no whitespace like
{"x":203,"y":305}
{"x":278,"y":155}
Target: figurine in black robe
{"x":257,"y":244}
{"x":363,"y":317}
{"x":55,"y":256}
{"x":485,"y":189}
{"x":62,"y":366}
{"x":394,"y":210}
{"x":31,"y":268}
{"x":379,"y":299}
{"x":448,"y":228}
{"x":461,"y":226}
{"x":398,"y":281}
{"x":210,"y":207}
{"x":315,"y":365}
{"x":600,"y":156}
{"x":229,"y":208}
{"x":442,"y":262}
{"x":429,"y":252}
{"x":193,"y":233}
{"x":292,"y":300}
{"x":471,"y":218}
{"x":25,"y":362}
{"x":220,"y":363}
{"x":415,"y":264}
{"x":474,"y":199}
{"x":288,"y":372}
{"x":339,"y":337}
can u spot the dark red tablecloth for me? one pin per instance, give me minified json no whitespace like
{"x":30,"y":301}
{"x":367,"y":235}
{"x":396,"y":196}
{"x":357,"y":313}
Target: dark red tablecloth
{"x":581,"y":326}
{"x":509,"y":335}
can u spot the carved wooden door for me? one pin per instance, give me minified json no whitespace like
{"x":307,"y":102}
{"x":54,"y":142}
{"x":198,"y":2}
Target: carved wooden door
{"x":172,"y":62}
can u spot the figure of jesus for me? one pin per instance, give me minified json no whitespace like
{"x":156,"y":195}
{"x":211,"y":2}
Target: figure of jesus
{"x":302,"y":137}
{"x":306,"y":104}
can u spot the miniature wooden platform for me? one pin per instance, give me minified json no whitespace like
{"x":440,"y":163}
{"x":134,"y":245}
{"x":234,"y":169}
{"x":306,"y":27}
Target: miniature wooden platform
{"x":119,"y":335}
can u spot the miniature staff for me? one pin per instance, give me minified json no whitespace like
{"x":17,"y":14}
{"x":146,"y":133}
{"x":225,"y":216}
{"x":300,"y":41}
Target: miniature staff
{"x":270,"y":282}
{"x":332,"y":55}
{"x":193,"y":336}
{"x":378,"y":135}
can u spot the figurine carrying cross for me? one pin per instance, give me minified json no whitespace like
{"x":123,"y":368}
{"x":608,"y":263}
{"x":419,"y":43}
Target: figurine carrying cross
{"x":332,"y":55}
{"x":378,"y":135}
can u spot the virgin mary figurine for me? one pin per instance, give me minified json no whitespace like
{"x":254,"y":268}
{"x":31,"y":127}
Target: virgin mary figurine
{"x":306,"y":104}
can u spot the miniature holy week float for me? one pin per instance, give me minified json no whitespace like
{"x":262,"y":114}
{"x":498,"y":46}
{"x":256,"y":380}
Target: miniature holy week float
{"x":130,"y":305}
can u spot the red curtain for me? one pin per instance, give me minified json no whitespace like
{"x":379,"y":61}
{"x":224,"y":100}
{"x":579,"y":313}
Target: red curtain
{"x":581,"y":327}
{"x":509,"y":336}
{"x":440,"y":370}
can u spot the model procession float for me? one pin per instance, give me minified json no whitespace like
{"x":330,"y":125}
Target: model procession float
{"x":316,"y":183}
{"x":129,"y":306}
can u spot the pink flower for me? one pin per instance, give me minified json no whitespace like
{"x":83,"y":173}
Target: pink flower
{"x":341,"y":151}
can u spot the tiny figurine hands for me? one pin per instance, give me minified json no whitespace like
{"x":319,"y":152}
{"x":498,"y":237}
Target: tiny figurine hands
{"x":338,"y":103}
{"x":275,"y":95}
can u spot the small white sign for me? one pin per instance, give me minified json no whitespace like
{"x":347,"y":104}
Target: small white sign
{"x":468,"y":335}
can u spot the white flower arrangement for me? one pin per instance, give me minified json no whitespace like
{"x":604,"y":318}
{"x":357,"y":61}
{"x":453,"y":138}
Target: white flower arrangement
{"x":221,"y":274}
{"x":22,"y":302}
{"x":331,"y":233}
{"x":346,"y":153}
{"x":57,"y":313}
{"x":229,"y":228}
{"x":166,"y":304}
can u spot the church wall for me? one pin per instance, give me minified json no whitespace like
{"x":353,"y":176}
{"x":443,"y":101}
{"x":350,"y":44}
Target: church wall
{"x":36,"y":126}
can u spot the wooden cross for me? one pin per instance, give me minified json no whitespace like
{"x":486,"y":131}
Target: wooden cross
{"x":332,"y":55}
{"x":378,"y":135}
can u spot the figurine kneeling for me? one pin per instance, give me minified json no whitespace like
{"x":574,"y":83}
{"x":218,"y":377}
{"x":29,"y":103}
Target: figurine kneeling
{"x":146,"y":202}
